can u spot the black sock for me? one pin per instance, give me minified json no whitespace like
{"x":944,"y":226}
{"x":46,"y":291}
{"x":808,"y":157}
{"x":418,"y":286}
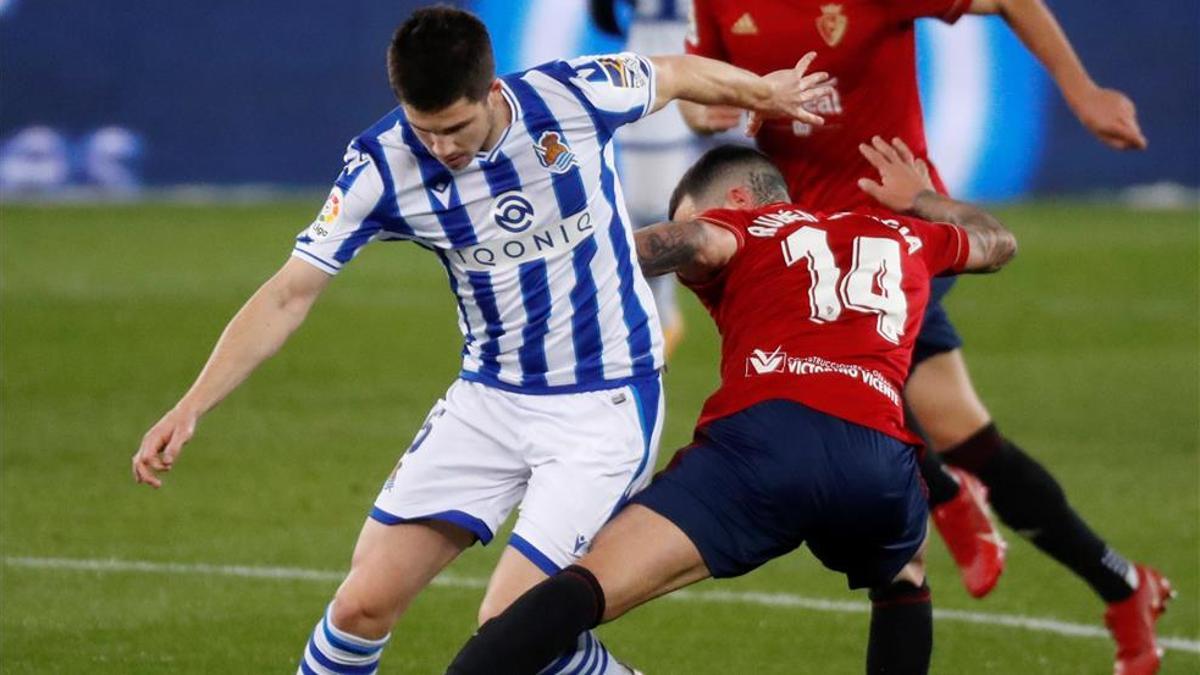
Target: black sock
{"x":1029,"y":500}
{"x":901,"y":639}
{"x":539,"y":626}
{"x":942,"y":486}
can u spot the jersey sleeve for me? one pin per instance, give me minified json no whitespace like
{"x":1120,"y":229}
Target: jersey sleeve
{"x":703,"y":32}
{"x":946,"y":10}
{"x":345,"y":223}
{"x":710,"y":290}
{"x":620,"y":86}
{"x":944,"y":247}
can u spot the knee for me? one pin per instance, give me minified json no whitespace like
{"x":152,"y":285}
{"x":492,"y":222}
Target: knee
{"x":358,"y":615}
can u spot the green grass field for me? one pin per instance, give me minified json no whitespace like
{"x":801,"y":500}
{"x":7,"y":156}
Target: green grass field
{"x":1085,"y":349}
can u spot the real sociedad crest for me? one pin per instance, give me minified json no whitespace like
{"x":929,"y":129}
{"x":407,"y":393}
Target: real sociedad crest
{"x":553,"y":153}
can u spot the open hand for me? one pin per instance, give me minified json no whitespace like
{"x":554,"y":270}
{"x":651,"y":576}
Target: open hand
{"x":791,"y":90}
{"x":902,"y":176}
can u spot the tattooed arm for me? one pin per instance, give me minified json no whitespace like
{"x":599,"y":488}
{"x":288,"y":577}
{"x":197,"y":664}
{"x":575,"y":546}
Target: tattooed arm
{"x":694,"y":249}
{"x":904,"y":186}
{"x":992,"y":245}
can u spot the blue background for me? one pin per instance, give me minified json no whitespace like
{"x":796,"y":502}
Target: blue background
{"x":227,"y":92}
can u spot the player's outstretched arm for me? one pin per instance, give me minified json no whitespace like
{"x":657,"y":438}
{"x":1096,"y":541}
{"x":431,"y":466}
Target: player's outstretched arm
{"x":782,"y":93}
{"x":256,"y":332}
{"x":904,"y":186}
{"x":1107,"y":113}
{"x":694,"y":249}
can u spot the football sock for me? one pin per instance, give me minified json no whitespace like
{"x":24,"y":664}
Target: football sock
{"x":536,"y":629}
{"x":331,"y":650}
{"x":589,"y":655}
{"x":901,"y":639}
{"x":1029,"y":500}
{"x":942,"y":486}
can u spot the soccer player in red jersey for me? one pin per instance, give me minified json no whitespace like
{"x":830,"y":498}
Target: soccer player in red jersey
{"x":805,"y":440}
{"x":869,"y":49}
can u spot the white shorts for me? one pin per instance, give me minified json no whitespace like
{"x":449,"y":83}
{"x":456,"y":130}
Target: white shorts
{"x":569,"y":460}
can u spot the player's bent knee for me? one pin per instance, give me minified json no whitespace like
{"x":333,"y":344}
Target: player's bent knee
{"x":362,"y":616}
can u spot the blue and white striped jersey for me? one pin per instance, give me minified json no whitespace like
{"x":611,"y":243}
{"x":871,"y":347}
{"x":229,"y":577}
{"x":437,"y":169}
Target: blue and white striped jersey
{"x":533,"y":234}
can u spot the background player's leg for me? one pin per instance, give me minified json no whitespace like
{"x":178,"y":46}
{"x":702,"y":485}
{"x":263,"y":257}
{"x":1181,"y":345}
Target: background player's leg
{"x":1029,"y":499}
{"x":640,"y":555}
{"x":1026,"y":497}
{"x":669,"y":314}
{"x":942,"y":403}
{"x":391,"y":564}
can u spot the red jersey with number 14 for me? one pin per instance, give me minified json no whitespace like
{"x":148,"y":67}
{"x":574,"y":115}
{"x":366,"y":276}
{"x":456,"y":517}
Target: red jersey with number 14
{"x":823,"y":309}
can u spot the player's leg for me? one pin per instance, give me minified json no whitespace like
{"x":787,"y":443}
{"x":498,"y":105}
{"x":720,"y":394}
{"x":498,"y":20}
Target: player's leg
{"x":673,"y":533}
{"x":640,"y":555}
{"x":588,"y":453}
{"x":950,"y":409}
{"x":873,"y":529}
{"x":391,"y":565}
{"x":1028,"y":499}
{"x":429,"y":510}
{"x":901,"y":634}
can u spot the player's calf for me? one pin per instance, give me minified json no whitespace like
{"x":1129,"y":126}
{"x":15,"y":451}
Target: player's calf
{"x":901,"y":637}
{"x":1029,"y":500}
{"x":541,"y":624}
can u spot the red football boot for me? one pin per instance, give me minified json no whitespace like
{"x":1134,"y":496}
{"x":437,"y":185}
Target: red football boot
{"x":1131,"y":622}
{"x":966,"y":526}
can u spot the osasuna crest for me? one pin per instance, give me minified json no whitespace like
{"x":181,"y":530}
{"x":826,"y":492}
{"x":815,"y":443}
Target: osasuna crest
{"x":553,"y":152}
{"x":832,"y":24}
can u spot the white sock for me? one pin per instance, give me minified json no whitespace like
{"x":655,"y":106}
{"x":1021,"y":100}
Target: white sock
{"x":331,"y":651}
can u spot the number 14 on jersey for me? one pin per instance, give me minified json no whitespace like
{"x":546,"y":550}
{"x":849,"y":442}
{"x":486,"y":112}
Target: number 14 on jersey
{"x":872,"y":285}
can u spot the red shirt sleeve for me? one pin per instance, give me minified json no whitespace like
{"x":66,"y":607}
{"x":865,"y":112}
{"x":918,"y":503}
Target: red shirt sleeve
{"x":709,"y":291}
{"x":704,"y":33}
{"x":944,"y":247}
{"x":946,"y":10}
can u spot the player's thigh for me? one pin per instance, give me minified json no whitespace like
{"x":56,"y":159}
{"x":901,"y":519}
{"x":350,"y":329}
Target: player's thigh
{"x":944,"y":402}
{"x":640,"y":556}
{"x":589,"y":453}
{"x":391,"y":565}
{"x":514,"y":574}
{"x":463,"y":467}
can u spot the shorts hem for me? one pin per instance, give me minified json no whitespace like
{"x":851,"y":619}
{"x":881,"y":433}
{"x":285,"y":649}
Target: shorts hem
{"x":454,"y":517}
{"x":531,"y":552}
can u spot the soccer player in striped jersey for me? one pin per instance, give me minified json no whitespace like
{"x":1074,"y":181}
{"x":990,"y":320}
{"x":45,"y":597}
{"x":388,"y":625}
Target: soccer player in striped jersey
{"x":511,"y":182}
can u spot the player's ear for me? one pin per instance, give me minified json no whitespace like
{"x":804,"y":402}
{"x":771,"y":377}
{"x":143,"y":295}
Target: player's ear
{"x":740,"y":197}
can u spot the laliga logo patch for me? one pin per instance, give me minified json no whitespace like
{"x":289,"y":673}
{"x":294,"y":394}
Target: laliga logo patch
{"x":553,"y":153}
{"x":513,"y":212}
{"x":322,"y":226}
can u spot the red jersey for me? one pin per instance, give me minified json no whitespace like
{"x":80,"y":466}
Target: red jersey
{"x":823,"y":309}
{"x":868,"y":48}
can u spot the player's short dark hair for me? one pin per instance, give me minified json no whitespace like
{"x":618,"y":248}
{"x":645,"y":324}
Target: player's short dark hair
{"x":440,"y":55}
{"x":725,"y":162}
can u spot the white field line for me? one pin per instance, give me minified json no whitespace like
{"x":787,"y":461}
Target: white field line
{"x":1032,"y":623}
